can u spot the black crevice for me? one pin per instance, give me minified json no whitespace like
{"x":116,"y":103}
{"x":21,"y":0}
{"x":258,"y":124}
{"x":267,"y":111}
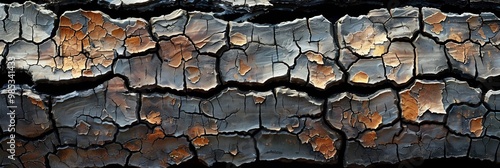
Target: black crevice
{"x":280,"y":11}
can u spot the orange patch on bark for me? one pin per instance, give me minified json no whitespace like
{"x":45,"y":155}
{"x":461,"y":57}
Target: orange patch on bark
{"x":238,"y":39}
{"x":435,"y":20}
{"x":371,"y":120}
{"x":234,"y":151}
{"x":455,"y":35}
{"x":180,"y":154}
{"x":243,"y":68}
{"x":360,"y":77}
{"x":324,"y":145}
{"x":481,"y":32}
{"x":154,"y":117}
{"x":494,"y":27}
{"x":258,"y":99}
{"x":38,"y":103}
{"x":179,"y":48}
{"x":156,"y":134}
{"x":474,"y":21}
{"x":437,"y":28}
{"x":437,"y":17}
{"x":409,"y":106}
{"x":476,"y":126}
{"x":320,"y":75}
{"x":195,"y":131}
{"x":193,"y":74}
{"x":200,"y":142}
{"x":430,"y":98}
{"x":368,"y":139}
{"x":314,"y":57}
{"x":134,"y":145}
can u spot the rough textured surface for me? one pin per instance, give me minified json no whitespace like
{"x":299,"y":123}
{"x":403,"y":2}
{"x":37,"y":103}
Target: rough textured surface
{"x":354,"y":114}
{"x":392,"y":86}
{"x":429,"y":100}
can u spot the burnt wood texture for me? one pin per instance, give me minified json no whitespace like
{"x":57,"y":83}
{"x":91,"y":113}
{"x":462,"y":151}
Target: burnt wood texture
{"x":210,"y":81}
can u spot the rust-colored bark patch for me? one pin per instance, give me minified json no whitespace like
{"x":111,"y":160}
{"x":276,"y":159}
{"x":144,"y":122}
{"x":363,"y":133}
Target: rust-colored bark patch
{"x":154,"y":117}
{"x":457,"y":52}
{"x":476,"y":126}
{"x":319,"y":137}
{"x":180,"y":154}
{"x":474,"y":21}
{"x":134,"y":145}
{"x":325,"y":146}
{"x":38,"y":103}
{"x":315,"y":57}
{"x":193,"y":74}
{"x":368,"y":139}
{"x":437,"y":17}
{"x":259,"y":99}
{"x":321,"y":74}
{"x":360,"y":77}
{"x":238,"y":39}
{"x":455,"y":35}
{"x":437,"y":28}
{"x":234,"y":151}
{"x":195,"y":131}
{"x":176,"y":50}
{"x":243,"y":68}
{"x":435,"y":20}
{"x":200,"y":142}
{"x":430,"y":98}
{"x":409,"y":106}
{"x":156,"y":134}
{"x":371,"y":120}
{"x":494,"y":27}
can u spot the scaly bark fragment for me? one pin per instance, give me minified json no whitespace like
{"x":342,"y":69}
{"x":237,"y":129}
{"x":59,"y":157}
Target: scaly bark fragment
{"x":354,"y":114}
{"x":466,"y":120}
{"x":466,"y":58}
{"x":152,"y":148}
{"x":430,"y":58}
{"x":283,"y":145}
{"x":351,"y":29}
{"x":29,"y":152}
{"x":322,"y":72}
{"x":484,"y":28}
{"x":142,"y":70}
{"x":447,"y":26}
{"x":286,"y":110}
{"x":88,"y":117}
{"x":206,"y":32}
{"x":367,"y":72}
{"x":322,"y":139}
{"x":31,"y":112}
{"x":428,"y":100}
{"x":180,"y":59}
{"x":93,"y":157}
{"x":487,"y":66}
{"x":236,"y":149}
{"x":403,"y":22}
{"x":28,"y":21}
{"x":399,"y":62}
{"x":89,"y":40}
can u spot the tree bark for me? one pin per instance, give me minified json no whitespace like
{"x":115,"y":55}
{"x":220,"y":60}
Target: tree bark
{"x":396,"y":85}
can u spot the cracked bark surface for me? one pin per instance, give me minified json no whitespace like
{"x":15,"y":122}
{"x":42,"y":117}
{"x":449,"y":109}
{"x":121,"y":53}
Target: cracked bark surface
{"x":386,"y":87}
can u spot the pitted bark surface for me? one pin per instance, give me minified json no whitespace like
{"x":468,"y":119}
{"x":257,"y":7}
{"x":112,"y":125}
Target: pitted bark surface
{"x":393,"y":85}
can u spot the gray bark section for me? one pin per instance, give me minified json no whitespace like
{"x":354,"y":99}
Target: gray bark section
{"x":131,"y":120}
